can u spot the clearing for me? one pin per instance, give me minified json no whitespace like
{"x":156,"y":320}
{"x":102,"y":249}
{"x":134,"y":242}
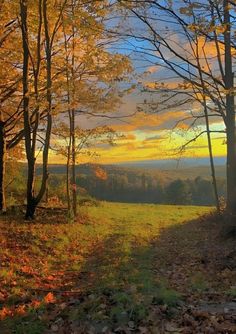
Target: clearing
{"x":127,"y":268}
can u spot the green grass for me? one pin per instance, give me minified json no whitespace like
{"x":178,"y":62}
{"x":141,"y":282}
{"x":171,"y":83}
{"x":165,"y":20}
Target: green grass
{"x":108,"y":260}
{"x":141,"y":223}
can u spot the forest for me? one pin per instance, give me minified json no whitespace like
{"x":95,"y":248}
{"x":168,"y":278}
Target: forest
{"x":141,"y":186}
{"x":89,"y":242}
{"x":120,"y":184}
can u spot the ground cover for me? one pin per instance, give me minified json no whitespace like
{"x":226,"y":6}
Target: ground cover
{"x":122,"y":268}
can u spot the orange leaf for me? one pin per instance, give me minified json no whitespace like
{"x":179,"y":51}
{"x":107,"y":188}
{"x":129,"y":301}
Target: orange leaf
{"x":35,"y":303}
{"x":21,"y":310}
{"x":49,"y":298}
{"x":5,"y":312}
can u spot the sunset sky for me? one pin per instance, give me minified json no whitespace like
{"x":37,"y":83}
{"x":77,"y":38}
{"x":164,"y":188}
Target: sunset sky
{"x":145,"y":136}
{"x":149,"y":137}
{"x":156,"y":135}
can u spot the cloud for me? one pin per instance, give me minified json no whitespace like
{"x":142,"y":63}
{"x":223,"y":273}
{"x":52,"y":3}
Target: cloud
{"x":153,"y":69}
{"x":148,"y":122}
{"x":154,"y":138}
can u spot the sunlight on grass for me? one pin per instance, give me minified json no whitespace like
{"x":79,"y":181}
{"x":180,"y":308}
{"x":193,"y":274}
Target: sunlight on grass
{"x":110,"y":255}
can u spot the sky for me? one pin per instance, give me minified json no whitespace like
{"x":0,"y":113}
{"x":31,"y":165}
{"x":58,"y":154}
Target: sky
{"x":155,"y":135}
{"x":144,"y":137}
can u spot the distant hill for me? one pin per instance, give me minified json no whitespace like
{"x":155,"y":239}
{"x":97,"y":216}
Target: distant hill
{"x":193,"y":172}
{"x":182,"y":163}
{"x":165,"y":171}
{"x":166,"y":175}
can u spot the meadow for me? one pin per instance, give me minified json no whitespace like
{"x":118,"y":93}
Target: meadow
{"x":122,"y":268}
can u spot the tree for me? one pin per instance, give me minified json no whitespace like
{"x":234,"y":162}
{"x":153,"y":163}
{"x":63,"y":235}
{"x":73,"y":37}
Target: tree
{"x":10,"y":101}
{"x":92,"y":75}
{"x":193,"y":21}
{"x":85,"y":143}
{"x":178,"y":193}
{"x":31,"y":107}
{"x":66,"y":69}
{"x":228,"y":80}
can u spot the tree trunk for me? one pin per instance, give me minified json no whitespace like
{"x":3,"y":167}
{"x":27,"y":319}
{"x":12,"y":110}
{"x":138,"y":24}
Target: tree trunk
{"x":2,"y":167}
{"x":27,"y":124}
{"x":205,"y":109}
{"x":68,"y":180}
{"x":211,"y":157}
{"x":73,"y":139}
{"x":231,"y":165}
{"x":31,"y":204}
{"x":31,"y":208}
{"x":48,"y":49}
{"x":230,"y":115}
{"x":68,"y":163}
{"x":74,"y":187}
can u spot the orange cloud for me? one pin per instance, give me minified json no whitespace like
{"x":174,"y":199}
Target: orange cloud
{"x":157,"y":145}
{"x":148,"y":122}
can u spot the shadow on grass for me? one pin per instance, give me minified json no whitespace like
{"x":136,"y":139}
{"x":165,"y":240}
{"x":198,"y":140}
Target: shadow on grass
{"x":118,"y":285}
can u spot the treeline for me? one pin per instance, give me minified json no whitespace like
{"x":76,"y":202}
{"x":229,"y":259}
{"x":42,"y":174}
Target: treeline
{"x":119,"y":184}
{"x":143,"y":189}
{"x":140,"y":187}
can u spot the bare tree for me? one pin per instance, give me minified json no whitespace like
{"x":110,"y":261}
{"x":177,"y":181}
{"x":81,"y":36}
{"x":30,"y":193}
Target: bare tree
{"x":191,"y":21}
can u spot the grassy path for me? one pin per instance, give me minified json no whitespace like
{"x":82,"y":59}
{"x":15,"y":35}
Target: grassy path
{"x":129,"y":268}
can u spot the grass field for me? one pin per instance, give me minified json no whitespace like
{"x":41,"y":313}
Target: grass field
{"x":110,"y":272}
